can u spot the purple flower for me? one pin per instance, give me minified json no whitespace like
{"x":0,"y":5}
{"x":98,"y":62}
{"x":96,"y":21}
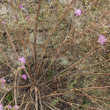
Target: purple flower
{"x":9,"y":106}
{"x":22,"y":66}
{"x":20,"y":6}
{"x":22,"y":60}
{"x":101,"y":39}
{"x":16,"y":107}
{"x":24,"y":77}
{"x":3,"y":22}
{"x":109,"y":26}
{"x":78,"y":12}
{"x":1,"y":106}
{"x":27,"y":17}
{"x":2,"y":80}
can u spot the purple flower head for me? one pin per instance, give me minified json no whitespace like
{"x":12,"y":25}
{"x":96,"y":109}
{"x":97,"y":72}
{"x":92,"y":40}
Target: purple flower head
{"x":78,"y":12}
{"x":27,"y":17}
{"x":9,"y":106}
{"x":109,"y":26}
{"x":3,"y":22}
{"x":2,"y":80}
{"x":16,"y":107}
{"x":24,"y":77}
{"x":101,"y":39}
{"x":20,"y":6}
{"x":1,"y":106}
{"x":22,"y":60}
{"x":22,"y":66}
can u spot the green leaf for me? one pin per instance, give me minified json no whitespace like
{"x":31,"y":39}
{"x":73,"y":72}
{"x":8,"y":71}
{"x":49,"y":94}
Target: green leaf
{"x":73,"y":83}
{"x":73,"y":108}
{"x":49,"y":75}
{"x":54,"y":102}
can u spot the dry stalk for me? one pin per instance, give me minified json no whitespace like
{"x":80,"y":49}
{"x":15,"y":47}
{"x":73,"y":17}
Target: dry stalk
{"x":36,"y":97}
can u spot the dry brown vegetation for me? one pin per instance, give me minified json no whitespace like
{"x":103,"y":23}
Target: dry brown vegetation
{"x":67,"y":68}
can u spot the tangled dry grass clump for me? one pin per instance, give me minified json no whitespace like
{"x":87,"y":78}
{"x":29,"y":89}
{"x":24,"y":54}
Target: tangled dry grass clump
{"x":54,"y":55}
